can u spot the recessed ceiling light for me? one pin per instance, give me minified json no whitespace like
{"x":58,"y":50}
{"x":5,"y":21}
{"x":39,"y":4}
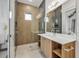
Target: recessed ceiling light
{"x":30,"y":0}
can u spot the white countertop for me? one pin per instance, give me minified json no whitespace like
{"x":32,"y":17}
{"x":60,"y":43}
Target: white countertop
{"x":59,"y":38}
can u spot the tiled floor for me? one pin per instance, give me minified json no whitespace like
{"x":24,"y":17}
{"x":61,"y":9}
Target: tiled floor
{"x":28,"y":51}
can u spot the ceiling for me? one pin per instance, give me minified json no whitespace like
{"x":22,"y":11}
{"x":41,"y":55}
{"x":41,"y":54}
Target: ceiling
{"x":35,"y":3}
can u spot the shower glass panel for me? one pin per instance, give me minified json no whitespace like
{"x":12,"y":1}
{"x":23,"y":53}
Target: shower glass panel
{"x":55,"y":21}
{"x":42,"y":19}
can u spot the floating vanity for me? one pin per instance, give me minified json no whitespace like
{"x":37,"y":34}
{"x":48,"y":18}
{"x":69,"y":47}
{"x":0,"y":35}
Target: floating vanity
{"x":54,"y":45}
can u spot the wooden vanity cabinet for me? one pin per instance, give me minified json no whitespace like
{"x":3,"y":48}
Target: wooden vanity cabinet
{"x":53,"y":49}
{"x":64,"y":51}
{"x":46,"y":47}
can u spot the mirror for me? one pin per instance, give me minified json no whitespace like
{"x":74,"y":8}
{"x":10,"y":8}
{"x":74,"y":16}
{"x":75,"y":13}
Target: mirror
{"x":62,"y":19}
{"x":55,"y":21}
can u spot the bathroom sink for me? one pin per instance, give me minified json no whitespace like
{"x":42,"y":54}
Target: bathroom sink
{"x":49,"y":34}
{"x":60,"y":38}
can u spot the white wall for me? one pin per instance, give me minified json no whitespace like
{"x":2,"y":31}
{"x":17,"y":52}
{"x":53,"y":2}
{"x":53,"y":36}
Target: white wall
{"x":4,"y":20}
{"x":77,"y":43}
{"x":12,"y":29}
{"x":4,"y":15}
{"x":71,"y":4}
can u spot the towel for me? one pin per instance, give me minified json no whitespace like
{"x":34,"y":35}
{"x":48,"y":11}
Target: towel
{"x":2,"y":38}
{"x":2,"y":34}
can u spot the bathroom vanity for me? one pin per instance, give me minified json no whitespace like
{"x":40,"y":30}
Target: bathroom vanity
{"x":61,"y":19}
{"x":54,"y":45}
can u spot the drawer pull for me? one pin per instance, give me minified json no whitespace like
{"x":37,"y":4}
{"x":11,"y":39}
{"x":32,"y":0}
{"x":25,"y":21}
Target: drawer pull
{"x":69,"y":49}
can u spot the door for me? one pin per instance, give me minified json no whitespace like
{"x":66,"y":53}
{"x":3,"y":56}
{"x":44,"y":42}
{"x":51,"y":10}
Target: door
{"x":23,"y":26}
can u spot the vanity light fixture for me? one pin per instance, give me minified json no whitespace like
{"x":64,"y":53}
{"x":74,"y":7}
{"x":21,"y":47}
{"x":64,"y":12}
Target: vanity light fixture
{"x":46,"y":19}
{"x":56,"y":21}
